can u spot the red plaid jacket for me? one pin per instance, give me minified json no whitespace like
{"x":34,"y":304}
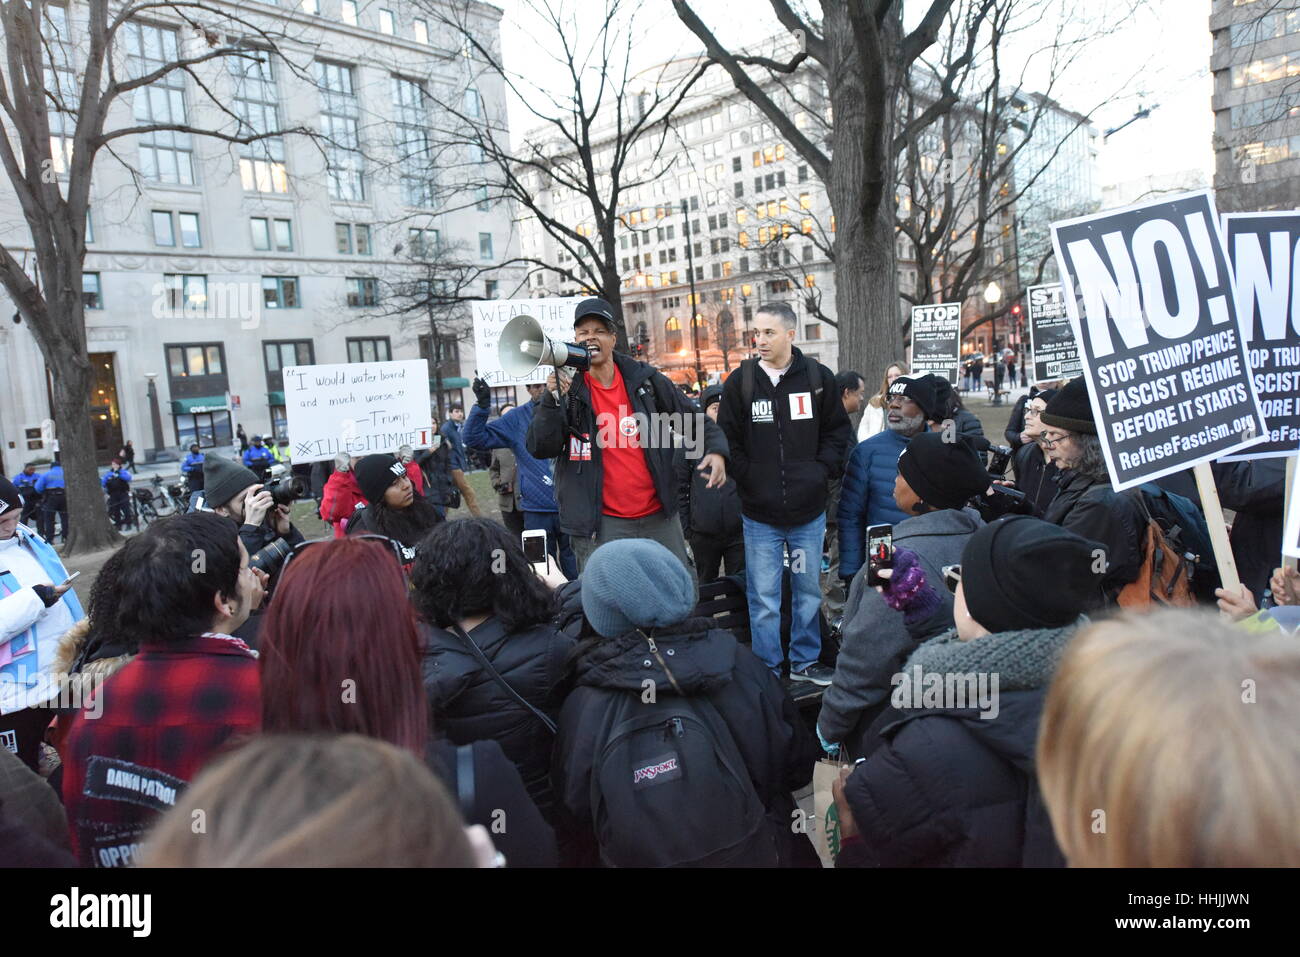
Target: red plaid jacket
{"x":164,"y":716}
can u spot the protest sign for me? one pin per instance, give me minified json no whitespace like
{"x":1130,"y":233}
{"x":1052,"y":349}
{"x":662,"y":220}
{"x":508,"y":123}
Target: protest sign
{"x":1051,"y":338}
{"x":357,"y":407}
{"x":1291,"y":515}
{"x":1149,"y":294}
{"x":491,"y":316}
{"x":1264,"y":249}
{"x":936,"y":340}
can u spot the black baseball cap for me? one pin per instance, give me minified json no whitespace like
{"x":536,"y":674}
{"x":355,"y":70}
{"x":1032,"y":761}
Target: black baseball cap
{"x":595,"y":307}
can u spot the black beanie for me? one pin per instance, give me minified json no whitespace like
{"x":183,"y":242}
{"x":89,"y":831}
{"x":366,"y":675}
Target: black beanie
{"x":224,"y":479}
{"x":374,"y":473}
{"x":710,"y":395}
{"x":1070,"y":409}
{"x":1021,"y":572}
{"x":9,"y":497}
{"x":943,"y":474}
{"x":920,"y":390}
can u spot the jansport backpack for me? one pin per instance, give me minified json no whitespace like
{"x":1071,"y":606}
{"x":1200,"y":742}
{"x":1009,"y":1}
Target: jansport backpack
{"x":670,"y":789}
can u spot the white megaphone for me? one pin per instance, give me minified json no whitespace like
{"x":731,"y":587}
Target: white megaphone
{"x":524,"y":346}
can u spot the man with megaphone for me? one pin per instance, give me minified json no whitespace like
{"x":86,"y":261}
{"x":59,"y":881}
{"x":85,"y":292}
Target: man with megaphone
{"x":614,"y":475}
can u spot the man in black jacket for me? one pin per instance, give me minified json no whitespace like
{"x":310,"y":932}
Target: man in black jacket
{"x":787,"y":430}
{"x":710,"y":516}
{"x":613,"y":444}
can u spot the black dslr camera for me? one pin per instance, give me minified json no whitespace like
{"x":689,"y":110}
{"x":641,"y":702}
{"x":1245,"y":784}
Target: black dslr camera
{"x":1001,"y":500}
{"x":285,"y":487}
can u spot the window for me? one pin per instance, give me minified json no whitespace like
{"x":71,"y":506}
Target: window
{"x":261,"y":231}
{"x":744,"y":264}
{"x":473,"y":103}
{"x":758,"y":184}
{"x":90,"y":296}
{"x":369,"y":350}
{"x":283,"y":235}
{"x":740,"y":190}
{"x":810,"y":281}
{"x":297,"y":352}
{"x":362,"y":291}
{"x":364,"y":247}
{"x":485,"y":246}
{"x":184,"y":361}
{"x":412,"y":142}
{"x":1265,"y":70}
{"x":743,"y":239}
{"x":489,"y":289}
{"x":736,"y":164}
{"x":344,"y":164}
{"x":421,"y":31}
{"x":350,"y":12}
{"x":805,"y":201}
{"x":422,"y":241}
{"x":808,"y":254}
{"x":803,"y":174}
{"x":309,"y":6}
{"x":387,"y":22}
{"x":742,"y":217}
{"x":264,"y":231}
{"x":484,"y":204}
{"x":280,"y":292}
{"x":806,"y":226}
{"x":343,"y":238}
{"x":257,"y":104}
{"x":166,"y":156}
{"x":673,"y":334}
{"x":190,"y":237}
{"x":812,"y":331}
{"x":62,"y":86}
{"x":90,"y":228}
{"x":163,"y":234}
{"x":185,"y":294}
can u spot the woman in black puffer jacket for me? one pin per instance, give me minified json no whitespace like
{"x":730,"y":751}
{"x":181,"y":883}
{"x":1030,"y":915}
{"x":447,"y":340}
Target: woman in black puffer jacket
{"x":474,"y":588}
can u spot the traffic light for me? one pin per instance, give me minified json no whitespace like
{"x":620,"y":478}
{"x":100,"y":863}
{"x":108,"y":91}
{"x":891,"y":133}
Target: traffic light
{"x":1015,"y":310}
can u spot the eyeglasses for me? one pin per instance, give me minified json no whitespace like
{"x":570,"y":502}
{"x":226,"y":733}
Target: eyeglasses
{"x":1051,"y":441}
{"x":1030,"y":410}
{"x":395,"y":548}
{"x":952,"y":577}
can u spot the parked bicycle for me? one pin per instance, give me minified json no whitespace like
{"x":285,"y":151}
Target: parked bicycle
{"x":158,"y":501}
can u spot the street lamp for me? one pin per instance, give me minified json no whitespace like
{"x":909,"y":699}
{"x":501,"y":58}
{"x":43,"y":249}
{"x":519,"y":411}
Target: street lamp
{"x":746,"y":291}
{"x":155,"y":417}
{"x":993,"y":295}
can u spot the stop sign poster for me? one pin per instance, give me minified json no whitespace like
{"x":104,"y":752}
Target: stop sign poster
{"x":1150,"y":295}
{"x":936,"y":340}
{"x":1264,"y":249}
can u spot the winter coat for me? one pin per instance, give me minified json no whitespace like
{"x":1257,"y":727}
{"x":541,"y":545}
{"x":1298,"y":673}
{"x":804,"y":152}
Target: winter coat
{"x":192,"y":469}
{"x":873,"y":419}
{"x":451,"y":436}
{"x":1091,"y":508}
{"x":710,"y":512}
{"x":82,"y":682}
{"x":165,"y":715}
{"x":875,"y":642}
{"x":867,"y":496}
{"x":468,"y":704}
{"x":706,"y":662}
{"x":968,"y":423}
{"x":1036,"y":477}
{"x":788,"y":444}
{"x":578,"y":478}
{"x":341,"y":497}
{"x":439,"y":484}
{"x":504,"y":473}
{"x":535,"y":486}
{"x":948,"y":787}
{"x":33,"y":827}
{"x":495,"y":794}
{"x":258,"y":456}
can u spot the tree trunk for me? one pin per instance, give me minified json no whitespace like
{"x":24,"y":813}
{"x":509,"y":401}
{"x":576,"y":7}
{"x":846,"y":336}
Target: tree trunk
{"x":866,"y":284}
{"x":612,"y":293}
{"x":88,"y":519}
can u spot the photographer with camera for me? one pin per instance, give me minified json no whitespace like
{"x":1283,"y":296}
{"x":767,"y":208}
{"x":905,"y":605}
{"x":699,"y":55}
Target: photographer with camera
{"x":935,"y":484}
{"x":262,"y":512}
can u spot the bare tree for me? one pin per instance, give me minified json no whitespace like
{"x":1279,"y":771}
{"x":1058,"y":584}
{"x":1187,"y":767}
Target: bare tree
{"x":601,"y":139}
{"x":77,"y":96}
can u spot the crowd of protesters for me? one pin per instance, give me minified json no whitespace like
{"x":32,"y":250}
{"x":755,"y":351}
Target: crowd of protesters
{"x":414,"y":690}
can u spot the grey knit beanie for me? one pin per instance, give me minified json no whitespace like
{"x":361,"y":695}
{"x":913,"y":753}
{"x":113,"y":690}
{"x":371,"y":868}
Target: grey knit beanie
{"x":635,"y":583}
{"x":224,"y":479}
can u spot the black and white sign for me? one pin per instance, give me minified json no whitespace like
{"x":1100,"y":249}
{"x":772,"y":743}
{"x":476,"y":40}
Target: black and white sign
{"x":1264,"y":249}
{"x":1051,"y":337}
{"x":1150,"y":295}
{"x":936,"y":340}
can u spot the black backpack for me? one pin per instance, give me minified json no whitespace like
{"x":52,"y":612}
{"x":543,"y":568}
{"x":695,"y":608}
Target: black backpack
{"x":116,"y":485}
{"x":670,"y":789}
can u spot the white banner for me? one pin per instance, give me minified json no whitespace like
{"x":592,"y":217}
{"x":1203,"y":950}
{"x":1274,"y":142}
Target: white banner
{"x":492,"y":315}
{"x":357,"y":407}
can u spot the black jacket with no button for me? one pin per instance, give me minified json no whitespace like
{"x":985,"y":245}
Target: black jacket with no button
{"x":468,"y":704}
{"x":783,"y":467}
{"x":1090,"y":508}
{"x":578,"y":484}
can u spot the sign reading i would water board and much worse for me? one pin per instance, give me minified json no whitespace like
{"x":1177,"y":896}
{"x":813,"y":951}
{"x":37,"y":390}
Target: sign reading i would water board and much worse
{"x":936,"y":340}
{"x":1264,"y":249}
{"x":1051,"y":337}
{"x":1150,"y":295}
{"x":491,"y":316}
{"x":357,"y":407}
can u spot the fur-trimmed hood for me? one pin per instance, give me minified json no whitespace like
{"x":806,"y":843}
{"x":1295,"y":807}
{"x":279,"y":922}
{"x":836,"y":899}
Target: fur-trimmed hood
{"x":70,"y":646}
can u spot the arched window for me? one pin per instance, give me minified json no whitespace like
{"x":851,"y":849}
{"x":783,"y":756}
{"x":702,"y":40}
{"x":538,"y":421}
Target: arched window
{"x":642,"y":333}
{"x":702,"y":331}
{"x":673,"y":333}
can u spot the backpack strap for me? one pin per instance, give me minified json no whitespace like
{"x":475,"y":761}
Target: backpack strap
{"x":814,"y":380}
{"x":496,"y":676}
{"x":747,"y":383}
{"x":465,"y":780}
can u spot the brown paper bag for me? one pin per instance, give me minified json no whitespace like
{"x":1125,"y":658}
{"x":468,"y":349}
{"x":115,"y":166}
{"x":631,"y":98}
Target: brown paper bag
{"x":824,"y":829}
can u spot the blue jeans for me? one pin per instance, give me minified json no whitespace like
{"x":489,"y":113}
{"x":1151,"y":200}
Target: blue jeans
{"x":556,"y":542}
{"x":764,"y":563}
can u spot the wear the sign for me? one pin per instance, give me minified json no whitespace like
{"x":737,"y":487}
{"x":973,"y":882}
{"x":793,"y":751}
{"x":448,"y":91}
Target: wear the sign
{"x":1056,"y":353}
{"x":1150,"y":295}
{"x":936,"y":340}
{"x":491,"y":316}
{"x":357,"y":407}
{"x":1264,"y":249}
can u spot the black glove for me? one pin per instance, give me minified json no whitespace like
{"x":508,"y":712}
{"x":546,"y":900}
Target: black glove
{"x":46,"y":594}
{"x":482,"y":392}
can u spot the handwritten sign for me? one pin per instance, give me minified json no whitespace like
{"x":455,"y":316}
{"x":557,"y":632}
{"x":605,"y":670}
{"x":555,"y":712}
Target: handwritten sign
{"x":492,"y":315}
{"x":357,"y":407}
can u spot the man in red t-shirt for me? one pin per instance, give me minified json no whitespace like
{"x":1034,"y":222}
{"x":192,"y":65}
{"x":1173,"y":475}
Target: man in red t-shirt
{"x":614,"y":446}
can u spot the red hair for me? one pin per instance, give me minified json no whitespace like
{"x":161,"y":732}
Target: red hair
{"x":339,"y":648}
